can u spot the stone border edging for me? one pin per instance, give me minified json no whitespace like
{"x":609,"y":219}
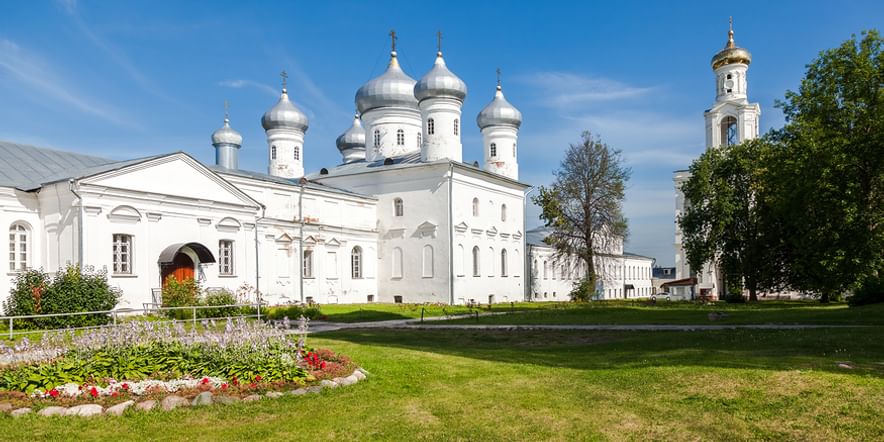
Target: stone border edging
{"x":174,"y":401}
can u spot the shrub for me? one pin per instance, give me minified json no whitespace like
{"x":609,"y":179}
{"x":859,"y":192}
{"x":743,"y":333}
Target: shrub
{"x":292,"y":311}
{"x":735,"y":297}
{"x":583,"y":290}
{"x":71,"y":290}
{"x":220,"y":297}
{"x":869,"y":290}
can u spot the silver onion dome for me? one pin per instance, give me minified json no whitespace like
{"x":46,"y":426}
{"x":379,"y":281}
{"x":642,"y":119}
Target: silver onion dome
{"x":440,"y":82}
{"x":226,"y":135}
{"x":284,"y":114}
{"x":499,"y":112}
{"x":393,"y":88}
{"x":352,"y":138}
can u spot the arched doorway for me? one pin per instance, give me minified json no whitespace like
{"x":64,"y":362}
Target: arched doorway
{"x":182,"y":261}
{"x":181,"y":268}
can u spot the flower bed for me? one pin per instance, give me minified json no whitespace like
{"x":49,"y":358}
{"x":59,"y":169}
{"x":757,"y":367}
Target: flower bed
{"x":148,"y":359}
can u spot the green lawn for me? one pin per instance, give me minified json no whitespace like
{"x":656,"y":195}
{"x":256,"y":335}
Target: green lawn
{"x":628,"y":312}
{"x":469,"y":385}
{"x":383,"y":312}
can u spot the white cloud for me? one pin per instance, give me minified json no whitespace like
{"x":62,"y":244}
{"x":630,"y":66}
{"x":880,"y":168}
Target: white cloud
{"x":566,"y":90}
{"x":240,"y":84}
{"x":40,"y":78}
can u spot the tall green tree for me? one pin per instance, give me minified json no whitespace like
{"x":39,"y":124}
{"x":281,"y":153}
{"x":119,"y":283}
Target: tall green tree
{"x":729,"y":221}
{"x":584,"y":205}
{"x":832,"y":173}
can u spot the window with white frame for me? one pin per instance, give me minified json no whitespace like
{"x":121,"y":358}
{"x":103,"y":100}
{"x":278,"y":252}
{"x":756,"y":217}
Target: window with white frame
{"x":122,"y":254}
{"x":456,"y":126}
{"x":400,"y":137}
{"x":514,"y":150}
{"x":19,"y":240}
{"x":418,"y":138}
{"x":503,"y":212}
{"x":476,"y":257}
{"x":493,"y":149}
{"x":377,"y":138}
{"x":475,"y":206}
{"x":427,"y":262}
{"x":356,"y":263}
{"x":297,"y":154}
{"x":398,"y":208}
{"x":272,"y":152}
{"x":431,"y":126}
{"x":225,"y":257}
{"x":308,"y":264}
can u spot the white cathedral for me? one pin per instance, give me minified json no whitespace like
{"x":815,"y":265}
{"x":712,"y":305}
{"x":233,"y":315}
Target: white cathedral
{"x":731,"y":120}
{"x":401,"y":219}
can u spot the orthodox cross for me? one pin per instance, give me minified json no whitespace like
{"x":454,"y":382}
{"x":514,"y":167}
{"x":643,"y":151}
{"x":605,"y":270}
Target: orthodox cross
{"x":498,"y":77}
{"x":284,"y":75}
{"x":226,"y":110}
{"x":439,"y":41}
{"x":731,"y":21}
{"x":393,"y":38}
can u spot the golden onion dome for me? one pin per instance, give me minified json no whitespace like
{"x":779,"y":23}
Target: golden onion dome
{"x":731,"y":53}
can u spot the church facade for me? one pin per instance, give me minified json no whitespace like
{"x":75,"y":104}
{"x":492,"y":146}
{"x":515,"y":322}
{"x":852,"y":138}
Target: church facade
{"x":731,"y":120}
{"x":401,"y":219}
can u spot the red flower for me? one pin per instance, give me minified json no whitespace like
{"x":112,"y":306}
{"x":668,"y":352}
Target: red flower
{"x":235,"y":381}
{"x":224,"y":386}
{"x":253,"y":385}
{"x":125,"y":386}
{"x":204,"y":381}
{"x":53,"y":393}
{"x":258,"y":378}
{"x":322,"y":365}
{"x":115,"y":394}
{"x":93,"y":391}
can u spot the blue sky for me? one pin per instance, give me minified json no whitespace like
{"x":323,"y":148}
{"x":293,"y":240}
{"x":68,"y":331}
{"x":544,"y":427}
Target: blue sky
{"x":130,"y":79}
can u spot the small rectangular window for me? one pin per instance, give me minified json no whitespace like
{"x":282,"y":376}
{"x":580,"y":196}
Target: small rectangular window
{"x":397,"y":299}
{"x":225,"y":258}
{"x":122,"y":254}
{"x":308,"y":264}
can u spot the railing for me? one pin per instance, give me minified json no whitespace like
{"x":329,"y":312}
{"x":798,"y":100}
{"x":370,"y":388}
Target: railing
{"x":114,"y":314}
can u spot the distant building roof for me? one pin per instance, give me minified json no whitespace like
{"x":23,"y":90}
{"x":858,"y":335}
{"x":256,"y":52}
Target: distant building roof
{"x":412,"y":159}
{"x":284,"y":181}
{"x":535,"y":237}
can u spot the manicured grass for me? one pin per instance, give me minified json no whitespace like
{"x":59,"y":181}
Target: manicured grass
{"x":469,"y":385}
{"x":628,"y":312}
{"x":382,"y":312}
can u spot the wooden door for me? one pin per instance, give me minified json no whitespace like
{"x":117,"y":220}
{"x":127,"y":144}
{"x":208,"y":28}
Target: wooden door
{"x":181,"y":268}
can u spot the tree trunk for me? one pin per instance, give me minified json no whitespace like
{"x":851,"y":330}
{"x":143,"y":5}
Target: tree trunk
{"x":824,"y":298}
{"x":753,"y":294}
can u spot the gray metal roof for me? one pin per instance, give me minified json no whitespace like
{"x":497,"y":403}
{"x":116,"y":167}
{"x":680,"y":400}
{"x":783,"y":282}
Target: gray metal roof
{"x":27,"y":167}
{"x":535,"y":238}
{"x":284,"y":181}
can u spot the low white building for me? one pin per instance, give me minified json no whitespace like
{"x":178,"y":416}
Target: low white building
{"x":402,"y":219}
{"x":620,"y":275}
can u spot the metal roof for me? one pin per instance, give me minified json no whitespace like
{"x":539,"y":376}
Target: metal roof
{"x":26,"y":167}
{"x":284,"y":181}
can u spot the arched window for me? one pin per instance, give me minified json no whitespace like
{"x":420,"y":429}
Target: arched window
{"x":272,"y":152}
{"x":534,"y":269}
{"x":514,"y":150}
{"x":475,"y":206}
{"x":356,"y":263}
{"x":377,"y":138}
{"x":545,"y":269}
{"x":459,"y":260}
{"x":476,"y":256}
{"x":517,"y":270}
{"x":297,"y":154}
{"x":307,"y":271}
{"x":400,"y":137}
{"x":397,"y":262}
{"x":456,"y":126}
{"x":503,"y":266}
{"x":729,"y":133}
{"x":397,"y":207}
{"x":427,"y":262}
{"x":503,"y":212}
{"x":431,"y":126}
{"x":493,"y":149}
{"x":19,"y":250}
{"x":491,"y":260}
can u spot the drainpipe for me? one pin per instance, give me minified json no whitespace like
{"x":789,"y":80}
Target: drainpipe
{"x":80,"y":227}
{"x":301,"y":239}
{"x":450,"y":234}
{"x":526,"y":262}
{"x":258,"y":256}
